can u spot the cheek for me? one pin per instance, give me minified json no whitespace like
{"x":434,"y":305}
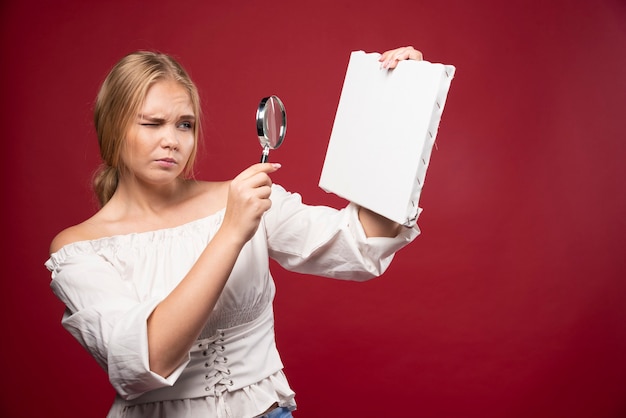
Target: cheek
{"x":188,"y":143}
{"x":134,"y":146}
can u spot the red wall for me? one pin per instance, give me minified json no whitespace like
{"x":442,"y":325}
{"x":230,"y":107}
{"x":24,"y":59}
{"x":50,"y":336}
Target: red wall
{"x":512,"y":302}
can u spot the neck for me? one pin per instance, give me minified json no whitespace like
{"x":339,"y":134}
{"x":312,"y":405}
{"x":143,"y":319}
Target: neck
{"x":136,"y":198}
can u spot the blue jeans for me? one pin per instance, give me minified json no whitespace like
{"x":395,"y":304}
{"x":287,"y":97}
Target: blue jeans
{"x":278,"y":413}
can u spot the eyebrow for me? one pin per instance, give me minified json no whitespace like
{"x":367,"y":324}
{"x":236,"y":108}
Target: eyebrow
{"x":158,"y":119}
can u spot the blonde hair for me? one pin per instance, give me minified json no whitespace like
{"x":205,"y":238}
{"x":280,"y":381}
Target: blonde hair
{"x":119,"y":100}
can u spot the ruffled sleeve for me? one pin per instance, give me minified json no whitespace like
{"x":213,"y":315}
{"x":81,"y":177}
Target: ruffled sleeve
{"x":325,"y":241}
{"x":105,"y":314}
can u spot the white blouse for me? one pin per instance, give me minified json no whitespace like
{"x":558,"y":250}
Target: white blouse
{"x":111,"y":285}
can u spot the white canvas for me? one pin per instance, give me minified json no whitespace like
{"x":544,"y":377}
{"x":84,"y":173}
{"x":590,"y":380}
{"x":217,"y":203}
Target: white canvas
{"x":384,"y":130}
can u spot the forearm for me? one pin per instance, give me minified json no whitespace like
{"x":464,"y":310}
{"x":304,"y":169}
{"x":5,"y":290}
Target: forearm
{"x":176,"y":322}
{"x":375,"y":225}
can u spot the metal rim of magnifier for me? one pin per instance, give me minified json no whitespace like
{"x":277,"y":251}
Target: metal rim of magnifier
{"x":261,"y":123}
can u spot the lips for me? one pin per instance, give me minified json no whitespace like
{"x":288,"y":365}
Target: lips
{"x":166,"y":163}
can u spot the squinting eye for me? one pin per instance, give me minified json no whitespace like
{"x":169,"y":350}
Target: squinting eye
{"x":186,"y":125}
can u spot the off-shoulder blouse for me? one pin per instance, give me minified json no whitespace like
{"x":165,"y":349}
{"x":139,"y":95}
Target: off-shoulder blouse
{"x":111,"y":285}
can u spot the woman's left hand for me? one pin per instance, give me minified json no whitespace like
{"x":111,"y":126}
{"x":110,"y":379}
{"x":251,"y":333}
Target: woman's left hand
{"x":390,"y":59}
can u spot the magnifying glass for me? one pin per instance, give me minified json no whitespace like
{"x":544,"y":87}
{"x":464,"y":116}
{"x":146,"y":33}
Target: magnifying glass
{"x":271,"y":124}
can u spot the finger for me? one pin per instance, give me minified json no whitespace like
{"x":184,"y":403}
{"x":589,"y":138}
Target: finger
{"x":392,"y":56}
{"x":257,"y":186}
{"x":385,"y":58}
{"x":390,"y":59}
{"x":414,"y":54}
{"x":407,"y":53}
{"x":258,"y":168}
{"x":256,"y":181}
{"x":390,"y":53}
{"x":251,"y":195}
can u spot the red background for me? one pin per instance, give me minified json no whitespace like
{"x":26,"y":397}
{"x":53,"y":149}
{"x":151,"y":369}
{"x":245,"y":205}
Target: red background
{"x":512,"y":302}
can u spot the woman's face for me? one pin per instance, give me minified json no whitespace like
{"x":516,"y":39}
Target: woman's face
{"x":161,"y":138}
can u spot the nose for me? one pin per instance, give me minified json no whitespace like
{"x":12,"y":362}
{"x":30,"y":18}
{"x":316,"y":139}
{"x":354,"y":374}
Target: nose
{"x":170,"y":138}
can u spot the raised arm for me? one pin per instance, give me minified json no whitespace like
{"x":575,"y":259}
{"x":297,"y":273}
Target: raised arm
{"x":176,"y":322}
{"x":375,"y":225}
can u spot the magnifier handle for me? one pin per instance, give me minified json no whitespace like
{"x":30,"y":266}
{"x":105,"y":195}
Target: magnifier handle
{"x":266,"y":153}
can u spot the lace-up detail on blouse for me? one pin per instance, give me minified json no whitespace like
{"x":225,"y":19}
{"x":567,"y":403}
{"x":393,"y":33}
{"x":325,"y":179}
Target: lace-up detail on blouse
{"x":216,"y":365}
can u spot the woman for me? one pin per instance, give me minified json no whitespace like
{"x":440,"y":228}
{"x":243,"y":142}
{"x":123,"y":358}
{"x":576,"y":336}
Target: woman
{"x":168,"y":284}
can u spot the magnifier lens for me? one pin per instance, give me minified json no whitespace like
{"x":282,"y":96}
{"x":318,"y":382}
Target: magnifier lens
{"x":271,"y":124}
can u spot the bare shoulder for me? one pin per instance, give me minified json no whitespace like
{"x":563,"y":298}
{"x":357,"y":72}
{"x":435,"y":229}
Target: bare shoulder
{"x":81,"y":232}
{"x":199,"y":199}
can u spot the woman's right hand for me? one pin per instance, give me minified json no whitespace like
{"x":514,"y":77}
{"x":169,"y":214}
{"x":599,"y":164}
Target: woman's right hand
{"x":248,"y":200}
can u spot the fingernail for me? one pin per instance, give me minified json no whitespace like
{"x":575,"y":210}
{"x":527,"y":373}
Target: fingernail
{"x":276,"y":165}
